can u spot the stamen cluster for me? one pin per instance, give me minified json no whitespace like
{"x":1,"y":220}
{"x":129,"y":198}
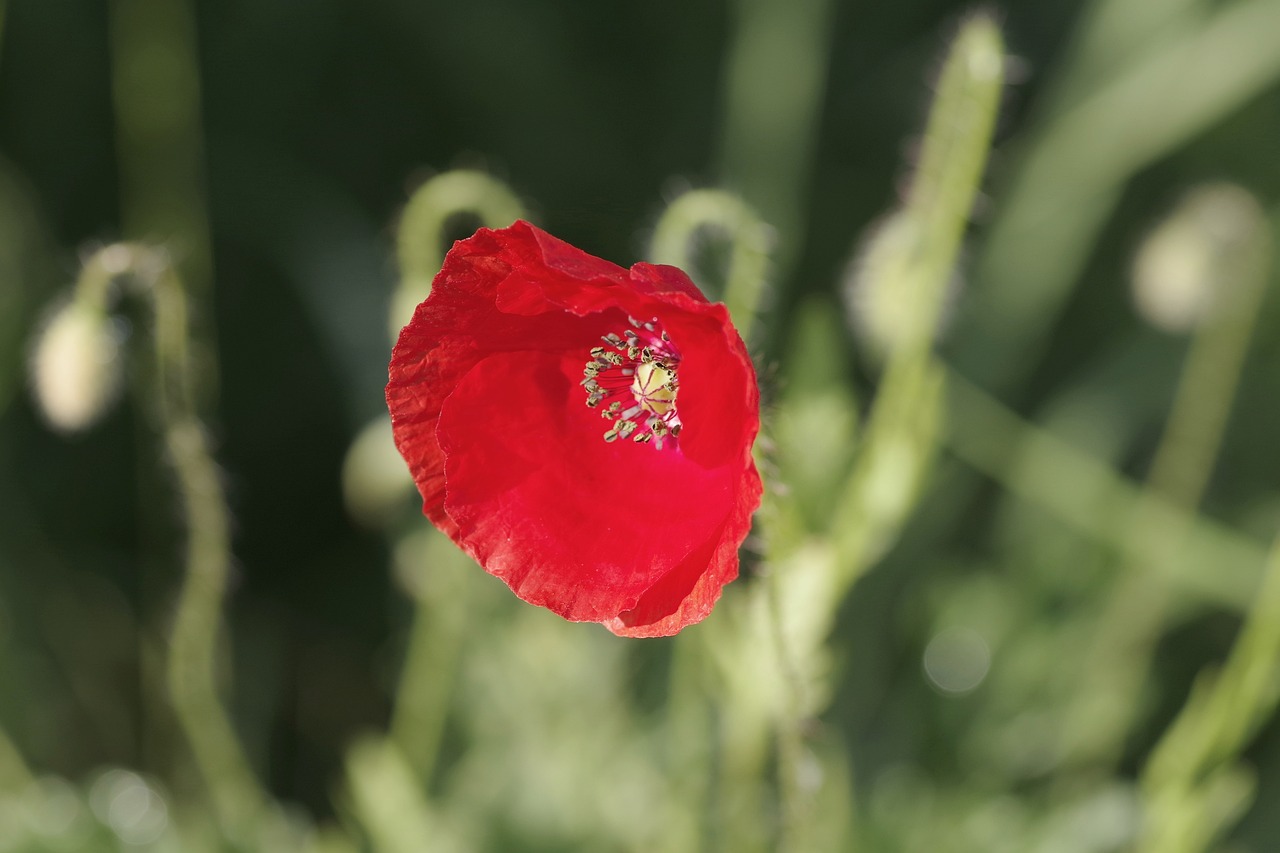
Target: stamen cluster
{"x":635,"y":380}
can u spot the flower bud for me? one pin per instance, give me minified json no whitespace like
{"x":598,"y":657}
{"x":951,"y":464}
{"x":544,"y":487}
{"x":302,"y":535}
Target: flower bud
{"x":888,"y":296}
{"x":76,"y":366}
{"x":375,"y":480}
{"x":1183,"y":266}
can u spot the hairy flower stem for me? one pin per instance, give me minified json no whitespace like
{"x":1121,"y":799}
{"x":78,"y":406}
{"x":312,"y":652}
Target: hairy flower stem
{"x":1114,"y":673}
{"x":744,"y":723}
{"x":688,"y":758}
{"x":192,"y":662}
{"x":1190,"y":774}
{"x":900,"y":433}
{"x":156,"y":93}
{"x":714,"y":212}
{"x":1069,"y":176}
{"x":899,"y":439}
{"x":386,"y":798}
{"x":435,"y":638}
{"x":193,"y":652}
{"x":439,"y":589}
{"x":795,"y":802}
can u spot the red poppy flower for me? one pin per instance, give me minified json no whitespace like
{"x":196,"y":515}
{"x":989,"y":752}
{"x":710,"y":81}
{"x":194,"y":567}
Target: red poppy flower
{"x":581,"y":430}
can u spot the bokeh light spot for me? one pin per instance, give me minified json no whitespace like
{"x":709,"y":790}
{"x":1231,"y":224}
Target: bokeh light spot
{"x":957,"y":660}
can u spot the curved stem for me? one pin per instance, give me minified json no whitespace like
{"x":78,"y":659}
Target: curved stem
{"x":750,"y":241}
{"x":435,"y":642}
{"x":794,"y":802}
{"x":192,"y":671}
{"x":1115,"y":672}
{"x":387,"y":800}
{"x":426,"y":680}
{"x":732,"y":789}
{"x":1224,"y":711}
{"x":420,"y":238}
{"x":1069,"y":177}
{"x":192,"y":662}
{"x":1088,"y":496}
{"x":901,"y":430}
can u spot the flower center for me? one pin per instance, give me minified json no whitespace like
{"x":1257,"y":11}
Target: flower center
{"x":634,"y":383}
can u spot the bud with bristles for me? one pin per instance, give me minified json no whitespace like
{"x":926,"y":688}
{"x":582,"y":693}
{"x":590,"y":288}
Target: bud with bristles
{"x":889,"y":299}
{"x":1187,"y":263}
{"x":375,"y":482}
{"x":75,"y":366}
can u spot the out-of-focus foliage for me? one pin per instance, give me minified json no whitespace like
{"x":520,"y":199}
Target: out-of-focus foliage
{"x":1010,"y":282}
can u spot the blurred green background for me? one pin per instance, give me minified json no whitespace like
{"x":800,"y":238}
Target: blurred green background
{"x":270,"y":146}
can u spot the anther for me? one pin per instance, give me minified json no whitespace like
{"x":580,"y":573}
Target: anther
{"x":639,"y":396}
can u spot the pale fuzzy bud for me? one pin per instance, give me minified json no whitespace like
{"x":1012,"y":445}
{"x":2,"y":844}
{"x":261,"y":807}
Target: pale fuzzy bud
{"x":375,"y":479}
{"x":886,"y":292}
{"x":75,"y":367}
{"x":1186,"y":263}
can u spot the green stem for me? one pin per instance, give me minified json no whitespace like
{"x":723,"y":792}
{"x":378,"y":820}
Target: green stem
{"x":435,"y":643}
{"x":1071,"y":174}
{"x":192,"y":663}
{"x":193,"y":654}
{"x":688,"y":752}
{"x":1132,"y":621}
{"x":1088,"y":496}
{"x":435,"y":640}
{"x":675,"y":238}
{"x":901,"y":432}
{"x":795,"y":802}
{"x":1223,"y":712}
{"x":956,"y":142}
{"x":744,"y":725}
{"x":159,"y":144}
{"x":387,"y":799}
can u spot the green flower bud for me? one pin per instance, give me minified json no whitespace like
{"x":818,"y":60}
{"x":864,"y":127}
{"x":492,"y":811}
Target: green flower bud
{"x":76,"y":366}
{"x":375,"y":481}
{"x":1187,"y":263}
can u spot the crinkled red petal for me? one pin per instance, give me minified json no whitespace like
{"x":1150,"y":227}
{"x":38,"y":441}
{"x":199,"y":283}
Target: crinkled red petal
{"x":686,"y":595}
{"x":454,"y":328}
{"x":569,"y":521}
{"x":487,"y":409}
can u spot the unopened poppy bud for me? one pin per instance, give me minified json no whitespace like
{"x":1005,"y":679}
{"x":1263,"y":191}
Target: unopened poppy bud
{"x":887,"y":294}
{"x":1186,"y":264}
{"x":75,"y":367}
{"x":375,"y":482}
